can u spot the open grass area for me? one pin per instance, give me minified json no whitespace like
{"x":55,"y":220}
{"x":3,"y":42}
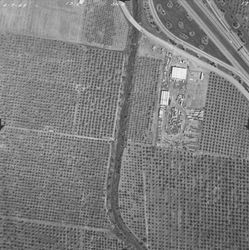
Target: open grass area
{"x":196,"y":91}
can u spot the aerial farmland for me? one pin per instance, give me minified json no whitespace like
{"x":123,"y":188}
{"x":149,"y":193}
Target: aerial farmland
{"x":61,"y":66}
{"x":123,"y":126}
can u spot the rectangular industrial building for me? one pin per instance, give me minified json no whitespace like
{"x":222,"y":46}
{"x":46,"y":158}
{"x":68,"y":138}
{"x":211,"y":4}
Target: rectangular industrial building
{"x":164,"y":98}
{"x":179,"y":73}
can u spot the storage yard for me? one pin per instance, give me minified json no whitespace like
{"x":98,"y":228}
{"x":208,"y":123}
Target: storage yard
{"x":182,"y":105}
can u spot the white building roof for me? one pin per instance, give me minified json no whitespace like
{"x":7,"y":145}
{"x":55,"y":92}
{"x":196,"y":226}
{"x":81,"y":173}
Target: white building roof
{"x":179,"y":73}
{"x":164,"y":98}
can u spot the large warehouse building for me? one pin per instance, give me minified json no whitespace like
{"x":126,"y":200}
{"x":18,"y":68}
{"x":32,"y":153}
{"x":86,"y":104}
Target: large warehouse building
{"x":179,"y":73}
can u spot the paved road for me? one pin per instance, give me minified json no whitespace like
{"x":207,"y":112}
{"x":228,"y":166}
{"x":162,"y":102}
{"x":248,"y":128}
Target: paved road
{"x":215,"y":15}
{"x":221,"y":42}
{"x":177,"y":39}
{"x":191,"y":47}
{"x":160,"y":23}
{"x":180,"y":52}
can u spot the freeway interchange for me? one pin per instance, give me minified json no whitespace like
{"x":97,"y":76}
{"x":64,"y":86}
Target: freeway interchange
{"x":240,"y":67}
{"x":217,"y":17}
{"x":198,"y":13}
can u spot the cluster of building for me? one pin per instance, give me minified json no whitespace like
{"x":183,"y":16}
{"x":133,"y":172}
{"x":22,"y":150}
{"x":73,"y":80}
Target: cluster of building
{"x":180,"y":74}
{"x":177,"y":74}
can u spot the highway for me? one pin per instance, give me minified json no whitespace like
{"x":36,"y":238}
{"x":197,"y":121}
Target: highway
{"x":180,"y":41}
{"x":180,"y":52}
{"x":211,"y":30}
{"x":216,"y":15}
{"x":200,"y":52}
{"x":214,"y":12}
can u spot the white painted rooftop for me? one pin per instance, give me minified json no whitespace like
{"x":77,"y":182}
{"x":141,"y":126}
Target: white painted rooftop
{"x":179,"y":73}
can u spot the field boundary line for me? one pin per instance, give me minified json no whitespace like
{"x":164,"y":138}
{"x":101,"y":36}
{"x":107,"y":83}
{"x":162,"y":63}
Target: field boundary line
{"x":56,"y":224}
{"x":106,"y":139}
{"x":145,"y":207}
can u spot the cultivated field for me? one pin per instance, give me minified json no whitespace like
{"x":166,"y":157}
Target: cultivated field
{"x":144,"y":99}
{"x":196,"y":202}
{"x":54,"y":178}
{"x":94,"y":22}
{"x":20,"y":234}
{"x":225,"y":117}
{"x":98,"y":97}
{"x":23,"y":234}
{"x":105,"y":24}
{"x":58,"y":86}
{"x":58,"y":100}
{"x":131,"y":193}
